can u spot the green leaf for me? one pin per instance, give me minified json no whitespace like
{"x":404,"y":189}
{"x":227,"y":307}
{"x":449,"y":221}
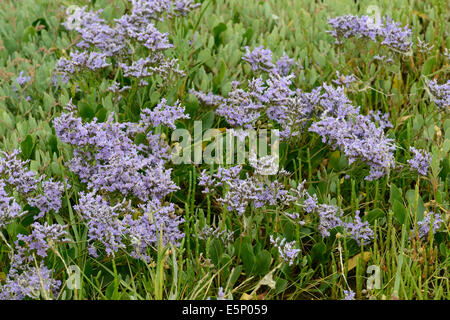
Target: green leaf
{"x":27,"y":147}
{"x":428,"y":66}
{"x":247,"y":257}
{"x":318,"y":252}
{"x":396,"y":194}
{"x":101,"y":114}
{"x":400,"y":213}
{"x":86,"y":112}
{"x":217,"y":31}
{"x":208,"y":120}
{"x":215,"y":251}
{"x":263,"y":259}
{"x":247,"y":36}
{"x":28,"y":34}
{"x":373,"y":215}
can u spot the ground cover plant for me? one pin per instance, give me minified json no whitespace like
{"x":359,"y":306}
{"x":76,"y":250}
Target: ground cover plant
{"x":101,"y":199}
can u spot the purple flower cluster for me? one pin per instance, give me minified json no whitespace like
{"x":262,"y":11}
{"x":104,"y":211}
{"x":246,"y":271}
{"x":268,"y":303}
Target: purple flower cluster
{"x":359,"y":231}
{"x":389,"y":32}
{"x":440,"y":94}
{"x":349,"y":295}
{"x":330,"y":217}
{"x":243,"y":192}
{"x":101,"y":40}
{"x":344,"y":80}
{"x":106,"y":157}
{"x":163,"y":114}
{"x":359,"y":138}
{"x":340,"y":123}
{"x":80,"y":61}
{"x":33,"y":189}
{"x":420,"y":162}
{"x":287,"y":251}
{"x":113,"y":166}
{"x":259,"y":59}
{"x":22,"y":80}
{"x":225,"y":236}
{"x":116,"y":226}
{"x":425,"y":225}
{"x":28,"y":277}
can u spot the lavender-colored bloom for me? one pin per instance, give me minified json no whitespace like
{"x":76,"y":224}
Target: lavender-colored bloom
{"x":259,"y":59}
{"x":209,"y":99}
{"x":344,"y":80}
{"x":15,"y":174}
{"x":440,"y":94}
{"x":359,"y":231}
{"x":80,"y":61}
{"x":310,"y":203}
{"x":50,"y":199}
{"x":157,"y":223}
{"x":29,"y":282}
{"x":287,"y":251}
{"x":389,"y":32}
{"x":349,"y":295}
{"x":425,"y":225}
{"x":147,"y":67}
{"x":106,"y":157}
{"x":103,"y":222}
{"x":330,"y":217}
{"x":42,"y":236}
{"x":420,"y":162}
{"x":284,"y":65}
{"x":107,"y":227}
{"x":163,"y":114}
{"x":25,"y":278}
{"x":359,"y":138}
{"x":225,"y":236}
{"x":21,"y":80}
{"x":242,"y":192}
{"x":9,"y":208}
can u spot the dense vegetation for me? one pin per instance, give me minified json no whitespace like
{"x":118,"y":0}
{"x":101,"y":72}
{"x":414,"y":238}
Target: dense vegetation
{"x":93,"y":205}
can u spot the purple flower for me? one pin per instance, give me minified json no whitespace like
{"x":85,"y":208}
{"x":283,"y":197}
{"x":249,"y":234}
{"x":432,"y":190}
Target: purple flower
{"x":420,"y":162}
{"x":330,"y":217}
{"x":425,"y":225}
{"x":359,"y":138}
{"x":287,"y":251}
{"x":440,"y":94}
{"x":284,"y":65}
{"x":9,"y":208}
{"x":344,"y":80}
{"x":259,"y":59}
{"x":359,"y":231}
{"x":349,"y":295}
{"x":50,"y":199}
{"x":163,"y":114}
{"x":389,"y":32}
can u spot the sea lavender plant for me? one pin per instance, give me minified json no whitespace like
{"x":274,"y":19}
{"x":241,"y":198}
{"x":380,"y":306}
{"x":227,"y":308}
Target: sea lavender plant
{"x":359,"y":138}
{"x":349,"y":295}
{"x":420,"y":162}
{"x":344,"y":80}
{"x":388,"y":32}
{"x":330,"y":217}
{"x":45,"y":195}
{"x":28,"y":277}
{"x":359,"y":231}
{"x":287,"y":251}
{"x":429,"y":224}
{"x":440,"y":94}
